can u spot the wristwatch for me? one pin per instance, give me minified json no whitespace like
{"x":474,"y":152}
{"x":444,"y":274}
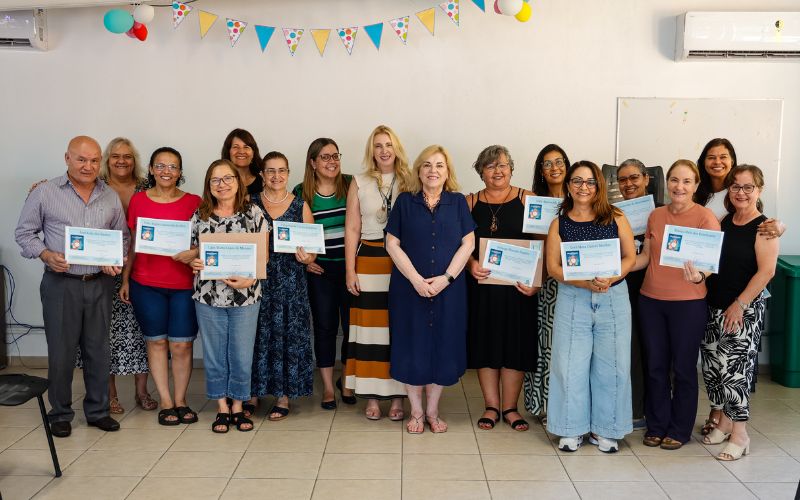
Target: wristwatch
{"x":450,"y":279}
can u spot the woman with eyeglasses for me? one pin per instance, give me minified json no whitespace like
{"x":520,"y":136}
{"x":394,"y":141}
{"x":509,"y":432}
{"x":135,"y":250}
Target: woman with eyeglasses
{"x":673,"y":312}
{"x":240,"y":148}
{"x":283,"y":361}
{"x":324,"y":189}
{"x":160,"y":287}
{"x":227,"y":310}
{"x":590,"y":385}
{"x":548,"y":179}
{"x":501,"y":319}
{"x":736,"y":310}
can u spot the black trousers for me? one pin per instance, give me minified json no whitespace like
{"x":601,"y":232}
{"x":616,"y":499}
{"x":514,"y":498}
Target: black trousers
{"x":638,"y":361}
{"x":330,"y":307}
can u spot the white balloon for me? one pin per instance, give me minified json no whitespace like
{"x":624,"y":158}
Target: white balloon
{"x":510,"y":7}
{"x":144,"y":13}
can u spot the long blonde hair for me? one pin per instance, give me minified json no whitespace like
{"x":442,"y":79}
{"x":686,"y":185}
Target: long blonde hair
{"x":451,"y":184}
{"x":138,"y":173}
{"x":401,"y":171}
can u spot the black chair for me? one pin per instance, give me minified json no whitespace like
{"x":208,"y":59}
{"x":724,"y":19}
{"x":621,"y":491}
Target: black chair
{"x":656,"y":187}
{"x":17,"y":389}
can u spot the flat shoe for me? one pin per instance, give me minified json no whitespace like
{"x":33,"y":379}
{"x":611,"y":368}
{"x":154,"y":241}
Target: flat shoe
{"x":716,"y":436}
{"x":651,"y":441}
{"x":61,"y":429}
{"x":733,"y":451}
{"x":437,"y":426}
{"x":518,"y":425}
{"x":249,"y":409}
{"x":238,"y":419}
{"x":107,"y":424}
{"x":146,"y":403}
{"x":114,"y":407}
{"x":415,"y":425}
{"x":373,"y":413}
{"x":487,"y":423}
{"x":328,"y":405}
{"x":168,"y":412}
{"x":348,"y":400}
{"x":223,"y":419}
{"x":280,"y":410}
{"x":186,"y":415}
{"x":670,"y":444}
{"x":397,"y":414}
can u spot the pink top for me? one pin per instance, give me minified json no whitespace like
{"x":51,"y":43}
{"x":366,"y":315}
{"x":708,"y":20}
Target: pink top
{"x":158,"y":270}
{"x":667,"y":283}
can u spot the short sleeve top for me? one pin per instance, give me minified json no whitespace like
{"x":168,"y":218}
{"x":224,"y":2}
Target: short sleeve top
{"x":371,"y":202}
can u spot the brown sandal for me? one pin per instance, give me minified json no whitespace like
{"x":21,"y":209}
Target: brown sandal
{"x":710,"y":425}
{"x":670,"y":444}
{"x":146,"y":403}
{"x":114,"y":407}
{"x":651,"y":441}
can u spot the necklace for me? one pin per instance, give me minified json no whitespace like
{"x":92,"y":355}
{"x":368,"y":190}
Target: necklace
{"x":264,"y":194}
{"x":493,"y":223}
{"x":431,"y":205}
{"x":383,"y":213}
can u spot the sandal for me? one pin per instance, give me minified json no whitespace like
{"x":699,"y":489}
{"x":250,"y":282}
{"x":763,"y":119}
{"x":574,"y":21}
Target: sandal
{"x":249,"y":409}
{"x":146,"y":403}
{"x":348,"y":400}
{"x":396,"y":414}
{"x":168,"y":412}
{"x":186,"y":415}
{"x":710,"y":425}
{"x":239,"y":420}
{"x":373,"y":412}
{"x":518,"y":425}
{"x":716,"y":436}
{"x":652,"y":441}
{"x":114,"y":407}
{"x":670,"y":444}
{"x":281,"y":411}
{"x":415,"y":425}
{"x":487,"y":423}
{"x":223,"y":420}
{"x":733,"y":451}
{"x":440,"y":425}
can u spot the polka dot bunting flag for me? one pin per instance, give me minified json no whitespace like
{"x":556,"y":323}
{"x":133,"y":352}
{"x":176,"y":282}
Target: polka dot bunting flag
{"x":235,"y":29}
{"x":179,"y":13}
{"x":292,"y":36}
{"x":400,"y":26}
{"x":348,"y":36}
{"x":451,"y":8}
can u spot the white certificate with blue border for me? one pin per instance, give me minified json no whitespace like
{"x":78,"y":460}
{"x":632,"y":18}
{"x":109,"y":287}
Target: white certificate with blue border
{"x":637,"y":211}
{"x":287,"y":236}
{"x":92,"y":247}
{"x":161,"y":236}
{"x":226,"y":260}
{"x":586,"y":260}
{"x":539,"y":213}
{"x":701,"y":246}
{"x":512,"y":263}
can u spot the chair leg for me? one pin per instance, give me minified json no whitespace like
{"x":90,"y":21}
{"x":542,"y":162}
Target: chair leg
{"x":49,"y":436}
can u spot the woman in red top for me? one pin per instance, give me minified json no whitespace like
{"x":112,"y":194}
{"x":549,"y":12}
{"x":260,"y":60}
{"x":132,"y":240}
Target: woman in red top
{"x":160,"y":287}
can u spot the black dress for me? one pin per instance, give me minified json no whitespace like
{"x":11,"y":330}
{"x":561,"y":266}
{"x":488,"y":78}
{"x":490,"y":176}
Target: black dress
{"x":503,"y":323}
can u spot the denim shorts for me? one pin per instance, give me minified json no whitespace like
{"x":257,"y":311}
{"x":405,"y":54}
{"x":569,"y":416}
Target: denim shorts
{"x":164,"y":313}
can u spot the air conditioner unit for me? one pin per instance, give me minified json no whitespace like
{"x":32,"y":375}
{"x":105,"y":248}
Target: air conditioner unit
{"x":738,"y":35}
{"x":23,"y":29}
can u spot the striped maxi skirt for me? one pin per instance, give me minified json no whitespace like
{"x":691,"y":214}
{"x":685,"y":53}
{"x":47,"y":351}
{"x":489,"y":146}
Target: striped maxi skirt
{"x":367,"y":367}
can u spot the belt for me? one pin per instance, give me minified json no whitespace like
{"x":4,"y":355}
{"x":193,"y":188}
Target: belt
{"x":81,"y":277}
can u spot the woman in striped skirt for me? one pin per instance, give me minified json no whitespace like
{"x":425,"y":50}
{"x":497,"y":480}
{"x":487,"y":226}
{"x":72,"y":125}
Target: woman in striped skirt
{"x":368,"y":268}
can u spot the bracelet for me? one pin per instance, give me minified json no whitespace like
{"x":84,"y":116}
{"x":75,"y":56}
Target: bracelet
{"x":450,"y":279}
{"x":702,"y":278}
{"x":741,"y":304}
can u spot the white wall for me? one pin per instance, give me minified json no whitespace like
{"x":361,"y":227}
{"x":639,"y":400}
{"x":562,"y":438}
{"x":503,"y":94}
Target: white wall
{"x":493,"y":80}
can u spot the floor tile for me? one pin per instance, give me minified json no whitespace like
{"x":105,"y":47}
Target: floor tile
{"x":27,"y":418}
{"x":11,"y":435}
{"x":257,"y":465}
{"x":289,"y":441}
{"x":283,"y":489}
{"x":34,"y":462}
{"x":765,"y":469}
{"x":81,"y":439}
{"x":533,"y":490}
{"x":364,"y":442}
{"x":773,"y":491}
{"x":195,"y":488}
{"x":113,"y":463}
{"x":81,"y":488}
{"x":456,"y":467}
{"x":588,"y":449}
{"x":451,"y":490}
{"x":605,"y":468}
{"x":142,"y":440}
{"x":206,"y":440}
{"x":196,"y":464}
{"x":604,"y":490}
{"x":691,"y":449}
{"x":532,"y":442}
{"x":690,"y":490}
{"x":360,"y":466}
{"x":345,"y":489}
{"x":356,"y":421}
{"x":682,"y":469}
{"x":524,"y":467}
{"x":444,"y":443}
{"x":22,"y":487}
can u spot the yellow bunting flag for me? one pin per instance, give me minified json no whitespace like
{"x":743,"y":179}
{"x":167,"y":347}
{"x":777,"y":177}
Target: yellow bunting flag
{"x":321,"y":39}
{"x":428,"y":18}
{"x":207,"y":19}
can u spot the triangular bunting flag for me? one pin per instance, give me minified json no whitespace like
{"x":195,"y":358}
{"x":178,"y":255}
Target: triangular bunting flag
{"x":375,"y":31}
{"x":400,"y":26}
{"x":292,"y":36}
{"x":348,"y":36}
{"x":206,"y":20}
{"x":428,"y":18}
{"x":264,"y":34}
{"x":321,"y":39}
{"x":179,"y":12}
{"x":451,"y":8}
{"x":235,"y":29}
{"x":481,"y":4}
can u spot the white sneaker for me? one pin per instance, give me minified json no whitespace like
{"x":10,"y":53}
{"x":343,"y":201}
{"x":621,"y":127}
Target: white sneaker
{"x":570,"y":443}
{"x":603,"y":444}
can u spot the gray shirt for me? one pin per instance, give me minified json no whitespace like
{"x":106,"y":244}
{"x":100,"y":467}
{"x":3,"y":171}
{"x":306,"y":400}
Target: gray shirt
{"x":54,"y":205}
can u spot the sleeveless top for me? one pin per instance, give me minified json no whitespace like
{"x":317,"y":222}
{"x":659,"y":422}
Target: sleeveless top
{"x":509,"y":216}
{"x":570,"y":230}
{"x":330,"y":212}
{"x":371,"y":202}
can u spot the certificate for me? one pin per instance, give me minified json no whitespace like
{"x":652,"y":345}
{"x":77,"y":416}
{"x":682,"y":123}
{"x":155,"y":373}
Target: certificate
{"x":162,"y":237}
{"x":287,"y":236}
{"x":539,"y":213}
{"x":512,"y":263}
{"x":586,"y":260}
{"x":92,"y":247}
{"x":637,"y":211}
{"x":225,"y":260}
{"x":700,"y":246}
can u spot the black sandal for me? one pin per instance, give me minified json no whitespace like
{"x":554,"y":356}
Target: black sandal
{"x":348,"y":400}
{"x":169,"y":412}
{"x":238,"y":419}
{"x":491,"y":422}
{"x":249,"y":409}
{"x":183,"y":412}
{"x":223,"y":419}
{"x":516,"y":424}
{"x":281,"y":411}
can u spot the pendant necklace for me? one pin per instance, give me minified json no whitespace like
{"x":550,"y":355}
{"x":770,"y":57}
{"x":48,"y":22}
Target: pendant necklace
{"x":383,"y":213}
{"x":493,"y":223}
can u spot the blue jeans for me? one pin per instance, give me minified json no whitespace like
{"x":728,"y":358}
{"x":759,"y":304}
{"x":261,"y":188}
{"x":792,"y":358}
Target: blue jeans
{"x":228,"y":335}
{"x":164,"y":313}
{"x":590,"y":383}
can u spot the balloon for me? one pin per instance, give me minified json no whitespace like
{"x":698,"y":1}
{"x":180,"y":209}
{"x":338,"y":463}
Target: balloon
{"x":510,"y":7}
{"x":140,"y":30}
{"x":497,"y":7}
{"x":143,"y":13}
{"x":118,"y":21}
{"x":525,"y":14}
{"x":130,"y":33}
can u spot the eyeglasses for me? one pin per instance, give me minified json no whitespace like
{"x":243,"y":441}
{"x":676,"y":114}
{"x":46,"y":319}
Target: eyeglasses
{"x":227,"y":180}
{"x":495,"y":167}
{"x":578,"y":182}
{"x":558,"y":162}
{"x":747,"y":188}
{"x":326,"y":157}
{"x":271,"y":172}
{"x":160,"y":167}
{"x":631,"y":178}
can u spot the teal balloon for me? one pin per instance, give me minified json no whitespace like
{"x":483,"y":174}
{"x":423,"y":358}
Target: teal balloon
{"x":118,"y":21}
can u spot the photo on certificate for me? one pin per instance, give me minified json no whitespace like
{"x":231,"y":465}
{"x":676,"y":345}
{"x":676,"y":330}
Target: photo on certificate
{"x":76,"y":242}
{"x":674,"y":242}
{"x":495,"y":257}
{"x":284,"y":233}
{"x":148,"y":233}
{"x":535,"y":211}
{"x":574,"y":258}
{"x":212,"y":258}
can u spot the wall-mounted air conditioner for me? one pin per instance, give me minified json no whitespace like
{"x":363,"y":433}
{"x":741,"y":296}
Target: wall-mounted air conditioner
{"x":739,"y":35}
{"x":23,"y":29}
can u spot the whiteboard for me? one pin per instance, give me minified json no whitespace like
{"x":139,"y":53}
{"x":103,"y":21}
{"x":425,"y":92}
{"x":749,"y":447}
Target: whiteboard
{"x":659,"y":131}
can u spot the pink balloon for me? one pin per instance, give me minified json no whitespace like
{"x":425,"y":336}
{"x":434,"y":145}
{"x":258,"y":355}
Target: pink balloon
{"x":130,"y":33}
{"x":497,"y":7}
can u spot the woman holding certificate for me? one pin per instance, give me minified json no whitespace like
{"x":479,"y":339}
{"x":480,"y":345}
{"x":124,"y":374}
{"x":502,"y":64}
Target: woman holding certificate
{"x":551,"y":164}
{"x":590,"y":386}
{"x":736,"y":310}
{"x":159,"y":284}
{"x":368,"y":268}
{"x":240,"y":148}
{"x":674,"y":314}
{"x":500,"y":342}
{"x":283,"y":361}
{"x":227,"y":309}
{"x":429,"y":237}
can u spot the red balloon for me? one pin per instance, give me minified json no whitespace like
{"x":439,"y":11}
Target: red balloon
{"x":497,"y":7}
{"x":140,"y":31}
{"x":130,"y":33}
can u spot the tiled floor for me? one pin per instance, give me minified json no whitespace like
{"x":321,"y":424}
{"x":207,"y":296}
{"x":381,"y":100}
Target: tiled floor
{"x":320,"y":454}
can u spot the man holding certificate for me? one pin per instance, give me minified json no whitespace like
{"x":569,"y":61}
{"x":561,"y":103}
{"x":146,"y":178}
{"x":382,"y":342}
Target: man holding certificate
{"x":76,"y":299}
{"x":590,"y":387}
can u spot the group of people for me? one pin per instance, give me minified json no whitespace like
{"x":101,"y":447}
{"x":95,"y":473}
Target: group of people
{"x":402,"y":277}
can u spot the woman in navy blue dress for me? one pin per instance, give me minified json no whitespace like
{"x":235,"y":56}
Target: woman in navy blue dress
{"x":429,"y":238}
